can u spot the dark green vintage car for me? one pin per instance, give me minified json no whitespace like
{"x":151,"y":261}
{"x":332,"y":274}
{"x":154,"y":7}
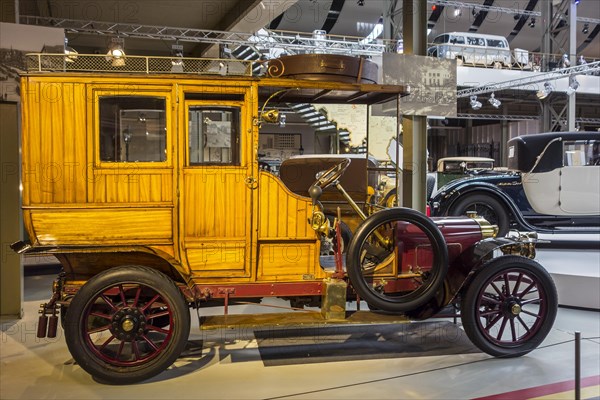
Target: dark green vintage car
{"x":452,"y":168}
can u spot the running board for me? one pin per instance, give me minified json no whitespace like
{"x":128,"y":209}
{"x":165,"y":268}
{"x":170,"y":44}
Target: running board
{"x":298,"y":318}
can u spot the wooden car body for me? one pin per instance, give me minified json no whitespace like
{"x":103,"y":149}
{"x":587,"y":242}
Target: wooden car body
{"x":148,"y":190}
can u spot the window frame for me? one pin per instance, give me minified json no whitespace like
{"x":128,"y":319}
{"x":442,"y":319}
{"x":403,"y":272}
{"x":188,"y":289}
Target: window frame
{"x":134,"y":91}
{"x":237,"y":152}
{"x":578,"y":142}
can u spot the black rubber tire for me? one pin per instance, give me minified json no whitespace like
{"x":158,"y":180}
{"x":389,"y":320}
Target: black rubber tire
{"x":432,"y":307}
{"x":77,"y":325}
{"x":430,"y":184}
{"x":63,"y":316}
{"x":390,"y":199}
{"x":472,"y":304}
{"x":346,"y":233}
{"x":487,"y":207}
{"x":419,"y":296}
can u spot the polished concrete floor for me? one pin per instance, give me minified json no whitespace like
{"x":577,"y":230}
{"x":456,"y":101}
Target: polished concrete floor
{"x":428,"y":360}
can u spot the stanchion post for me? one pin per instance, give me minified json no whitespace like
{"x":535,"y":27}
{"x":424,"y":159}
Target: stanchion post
{"x":577,"y":365}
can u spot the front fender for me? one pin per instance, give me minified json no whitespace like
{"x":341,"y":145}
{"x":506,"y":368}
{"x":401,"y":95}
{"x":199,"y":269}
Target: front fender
{"x":442,"y":203}
{"x":472,"y":260}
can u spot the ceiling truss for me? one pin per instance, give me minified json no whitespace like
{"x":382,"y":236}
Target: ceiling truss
{"x":538,"y":78}
{"x":506,"y":10}
{"x":293,"y":42}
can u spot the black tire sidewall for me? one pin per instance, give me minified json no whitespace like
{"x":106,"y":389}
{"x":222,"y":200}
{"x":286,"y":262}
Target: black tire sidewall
{"x":366,"y":228}
{"x":388,"y":196}
{"x":469,"y":305}
{"x":460,"y":208}
{"x":345,"y":231}
{"x":108,"y":373}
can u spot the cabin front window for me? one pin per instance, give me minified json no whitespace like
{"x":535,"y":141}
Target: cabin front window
{"x":133,"y":129}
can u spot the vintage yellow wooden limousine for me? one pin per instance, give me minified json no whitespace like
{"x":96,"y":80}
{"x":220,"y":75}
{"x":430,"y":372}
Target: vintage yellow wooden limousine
{"x":147,"y":188}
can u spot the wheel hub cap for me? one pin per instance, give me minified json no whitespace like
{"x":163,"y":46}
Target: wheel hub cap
{"x":127,"y":323}
{"x":515,"y":309}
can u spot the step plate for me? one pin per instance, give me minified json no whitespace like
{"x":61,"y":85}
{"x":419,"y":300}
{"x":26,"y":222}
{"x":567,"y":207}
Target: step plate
{"x":270,"y":320}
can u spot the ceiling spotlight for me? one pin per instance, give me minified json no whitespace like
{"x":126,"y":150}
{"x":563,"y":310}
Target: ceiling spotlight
{"x":70,"y":53}
{"x":573,"y":85}
{"x":586,"y":28}
{"x":475,"y":105}
{"x":177,"y":61}
{"x":532,"y":23}
{"x":361,"y":2}
{"x":543,"y":93}
{"x":494,"y":101}
{"x":457,"y":12}
{"x":222,"y":68}
{"x":116,"y":54}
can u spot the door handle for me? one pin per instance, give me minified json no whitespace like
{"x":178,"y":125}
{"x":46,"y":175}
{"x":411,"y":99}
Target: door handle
{"x":251,"y":182}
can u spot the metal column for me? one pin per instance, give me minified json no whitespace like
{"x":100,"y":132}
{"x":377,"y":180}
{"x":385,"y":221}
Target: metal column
{"x":11,"y":271}
{"x":573,"y":59}
{"x":546,"y":9}
{"x":414,"y":128}
{"x":504,"y":137}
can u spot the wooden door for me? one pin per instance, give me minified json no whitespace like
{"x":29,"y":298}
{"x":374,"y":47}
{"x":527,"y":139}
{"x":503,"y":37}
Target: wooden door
{"x":216,"y":190}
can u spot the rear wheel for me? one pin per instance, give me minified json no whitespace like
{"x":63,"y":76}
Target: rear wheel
{"x":379,"y":260}
{"x":329,"y":243}
{"x":127,"y":324}
{"x":391,"y":199}
{"x":485,"y":206}
{"x":509,"y":307}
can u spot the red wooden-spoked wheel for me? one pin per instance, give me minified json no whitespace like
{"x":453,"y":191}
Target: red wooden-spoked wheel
{"x":509,"y":307}
{"x":127,"y":324}
{"x":125,"y":313}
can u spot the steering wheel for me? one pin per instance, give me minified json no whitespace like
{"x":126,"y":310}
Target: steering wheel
{"x":332,"y":174}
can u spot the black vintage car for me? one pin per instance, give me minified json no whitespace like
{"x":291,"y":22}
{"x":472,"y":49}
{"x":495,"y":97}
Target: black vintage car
{"x":553,"y":183}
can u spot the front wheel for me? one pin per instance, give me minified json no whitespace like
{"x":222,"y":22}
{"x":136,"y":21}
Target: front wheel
{"x":509,"y":307}
{"x":485,"y":206}
{"x":127,"y":324}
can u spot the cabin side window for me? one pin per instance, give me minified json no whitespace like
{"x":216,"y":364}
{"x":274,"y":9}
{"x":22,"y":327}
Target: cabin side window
{"x":496,"y":43}
{"x":457,"y":39}
{"x":474,"y":41}
{"x":214,"y":135}
{"x":581,"y":152}
{"x":132,"y":129}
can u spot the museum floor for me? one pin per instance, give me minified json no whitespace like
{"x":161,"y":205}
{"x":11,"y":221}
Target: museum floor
{"x":427,"y":360}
